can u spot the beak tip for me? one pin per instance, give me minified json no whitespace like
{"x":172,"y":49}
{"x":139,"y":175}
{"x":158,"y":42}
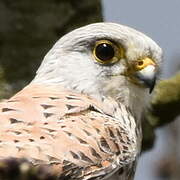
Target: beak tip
{"x":151,"y":88}
{"x":147,"y":77}
{"x":148,"y":82}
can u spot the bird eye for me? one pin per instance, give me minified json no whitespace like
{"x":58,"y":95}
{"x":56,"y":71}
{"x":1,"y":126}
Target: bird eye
{"x":106,"y":52}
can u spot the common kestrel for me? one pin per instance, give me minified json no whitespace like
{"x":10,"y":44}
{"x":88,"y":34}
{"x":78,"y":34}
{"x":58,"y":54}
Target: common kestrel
{"x":81,"y":114}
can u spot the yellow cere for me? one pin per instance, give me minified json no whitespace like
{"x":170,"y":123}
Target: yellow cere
{"x":142,"y":63}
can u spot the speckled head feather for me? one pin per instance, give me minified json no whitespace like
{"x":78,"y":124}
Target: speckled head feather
{"x":80,"y":116}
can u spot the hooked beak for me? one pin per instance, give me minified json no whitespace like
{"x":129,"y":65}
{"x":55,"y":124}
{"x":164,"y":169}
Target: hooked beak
{"x":147,"y":77}
{"x":143,"y":72}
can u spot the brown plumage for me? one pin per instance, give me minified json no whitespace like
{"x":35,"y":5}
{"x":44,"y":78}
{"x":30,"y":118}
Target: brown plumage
{"x":80,"y":117}
{"x":66,"y":130}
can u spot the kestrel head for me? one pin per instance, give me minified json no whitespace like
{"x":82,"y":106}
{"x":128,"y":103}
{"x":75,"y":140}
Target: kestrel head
{"x":104,"y":59}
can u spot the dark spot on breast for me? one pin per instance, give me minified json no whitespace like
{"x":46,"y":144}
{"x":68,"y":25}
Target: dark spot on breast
{"x":63,"y":126}
{"x":111,"y":133}
{"x":30,"y":124}
{"x":7,"y":109}
{"x":16,"y":141}
{"x":72,"y":97}
{"x":104,"y":145}
{"x":68,"y":169}
{"x":97,"y":130}
{"x":81,"y":140}
{"x":125,"y":148}
{"x":26,"y":130}
{"x":46,"y":106}
{"x":118,"y":133}
{"x":31,"y":140}
{"x":50,"y":130}
{"x":92,"y":108}
{"x":54,"y":98}
{"x":128,"y":139}
{"x":13,"y":120}
{"x":122,"y":141}
{"x":94,"y":153}
{"x":115,"y":109}
{"x":65,"y":162}
{"x":48,"y":114}
{"x":17,"y":132}
{"x":84,"y":157}
{"x":87,"y":133}
{"x":118,"y":150}
{"x":68,"y":133}
{"x":74,"y":155}
{"x":42,"y":137}
{"x":13,"y":101}
{"x":69,"y":107}
{"x":35,"y":97}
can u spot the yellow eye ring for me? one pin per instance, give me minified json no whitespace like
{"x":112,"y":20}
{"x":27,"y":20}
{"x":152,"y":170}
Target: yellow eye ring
{"x":107,"y":52}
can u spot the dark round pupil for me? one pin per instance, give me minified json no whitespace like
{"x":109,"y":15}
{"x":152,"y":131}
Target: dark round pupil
{"x":104,"y":51}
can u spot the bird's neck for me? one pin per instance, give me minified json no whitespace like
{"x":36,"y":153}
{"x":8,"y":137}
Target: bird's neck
{"x":129,"y":95}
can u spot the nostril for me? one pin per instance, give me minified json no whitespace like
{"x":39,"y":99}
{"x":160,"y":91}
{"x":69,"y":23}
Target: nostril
{"x":140,"y":63}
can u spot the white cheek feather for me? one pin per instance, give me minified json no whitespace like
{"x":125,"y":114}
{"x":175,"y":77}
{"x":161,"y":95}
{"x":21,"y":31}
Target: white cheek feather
{"x":131,"y":95}
{"x":73,"y":70}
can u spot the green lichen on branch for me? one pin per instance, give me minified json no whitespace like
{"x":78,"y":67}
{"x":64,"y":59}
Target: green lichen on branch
{"x":166,"y":102}
{"x":165,"y":107}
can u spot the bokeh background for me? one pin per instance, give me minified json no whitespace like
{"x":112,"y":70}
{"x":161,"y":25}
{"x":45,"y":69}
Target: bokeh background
{"x":160,"y":20}
{"x":28,"y":29}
